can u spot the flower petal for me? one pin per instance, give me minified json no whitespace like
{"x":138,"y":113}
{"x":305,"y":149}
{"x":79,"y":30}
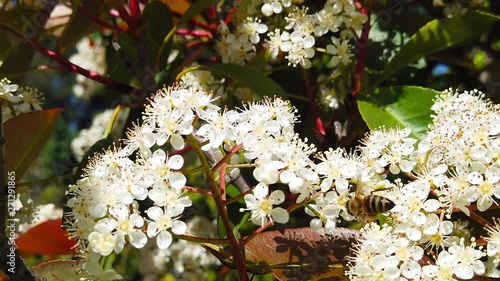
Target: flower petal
{"x":164,"y":239}
{"x":277,"y":197}
{"x":280,"y":215}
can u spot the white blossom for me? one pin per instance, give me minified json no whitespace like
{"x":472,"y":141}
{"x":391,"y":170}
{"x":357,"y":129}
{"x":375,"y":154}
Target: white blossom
{"x":260,"y":204}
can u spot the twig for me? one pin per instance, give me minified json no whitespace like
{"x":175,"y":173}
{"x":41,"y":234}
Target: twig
{"x":71,"y":67}
{"x":197,"y":190}
{"x":194,"y":238}
{"x":222,"y":181}
{"x":362,"y":42}
{"x":89,"y":15}
{"x":196,"y":22}
{"x":237,"y":250}
{"x":313,"y":106}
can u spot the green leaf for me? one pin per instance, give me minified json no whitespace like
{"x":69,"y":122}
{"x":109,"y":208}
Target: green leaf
{"x":120,"y":69}
{"x":437,"y":35}
{"x":16,"y":54}
{"x":25,"y":136}
{"x":398,"y":107}
{"x":80,"y":25}
{"x":17,"y":62}
{"x":157,"y":22}
{"x":255,"y":80}
{"x":195,"y":8}
{"x":19,"y":19}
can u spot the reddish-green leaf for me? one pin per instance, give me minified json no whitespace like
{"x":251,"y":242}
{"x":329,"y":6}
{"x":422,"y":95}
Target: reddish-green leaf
{"x":302,"y":253}
{"x":25,"y":137}
{"x":296,"y":254}
{"x":61,"y":270}
{"x":47,"y":238}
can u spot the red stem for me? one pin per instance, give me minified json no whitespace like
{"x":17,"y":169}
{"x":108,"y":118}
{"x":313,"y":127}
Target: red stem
{"x":257,"y":231}
{"x":196,"y":33}
{"x":480,"y":219}
{"x":135,"y":10}
{"x":212,"y":12}
{"x":131,"y":21}
{"x":362,"y":44}
{"x":222,"y":181}
{"x":227,"y":20}
{"x":207,"y":26}
{"x":197,"y":190}
{"x":237,"y":249}
{"x":181,"y":151}
{"x":238,"y":197}
{"x":226,"y":157}
{"x":88,"y":15}
{"x":312,"y":105}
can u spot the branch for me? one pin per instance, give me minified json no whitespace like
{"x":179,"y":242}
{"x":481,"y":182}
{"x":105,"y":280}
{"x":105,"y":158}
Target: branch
{"x":312,"y":105}
{"x":71,"y":67}
{"x":193,"y":238}
{"x":89,"y":15}
{"x":237,"y":250}
{"x":207,"y":26}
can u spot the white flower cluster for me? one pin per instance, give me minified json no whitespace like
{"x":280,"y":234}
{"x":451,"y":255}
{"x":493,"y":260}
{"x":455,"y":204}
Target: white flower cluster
{"x":297,"y":38}
{"x":383,"y":255}
{"x":183,"y":259}
{"x":464,"y":139}
{"x":105,"y":202}
{"x":493,"y":249}
{"x":454,"y":166}
{"x":238,"y":47}
{"x":18,"y":100}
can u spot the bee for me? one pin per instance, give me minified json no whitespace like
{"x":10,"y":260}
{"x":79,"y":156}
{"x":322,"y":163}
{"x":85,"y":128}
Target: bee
{"x":367,"y":207}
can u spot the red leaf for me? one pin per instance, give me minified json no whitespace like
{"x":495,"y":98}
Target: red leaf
{"x":47,"y":238}
{"x":25,"y":137}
